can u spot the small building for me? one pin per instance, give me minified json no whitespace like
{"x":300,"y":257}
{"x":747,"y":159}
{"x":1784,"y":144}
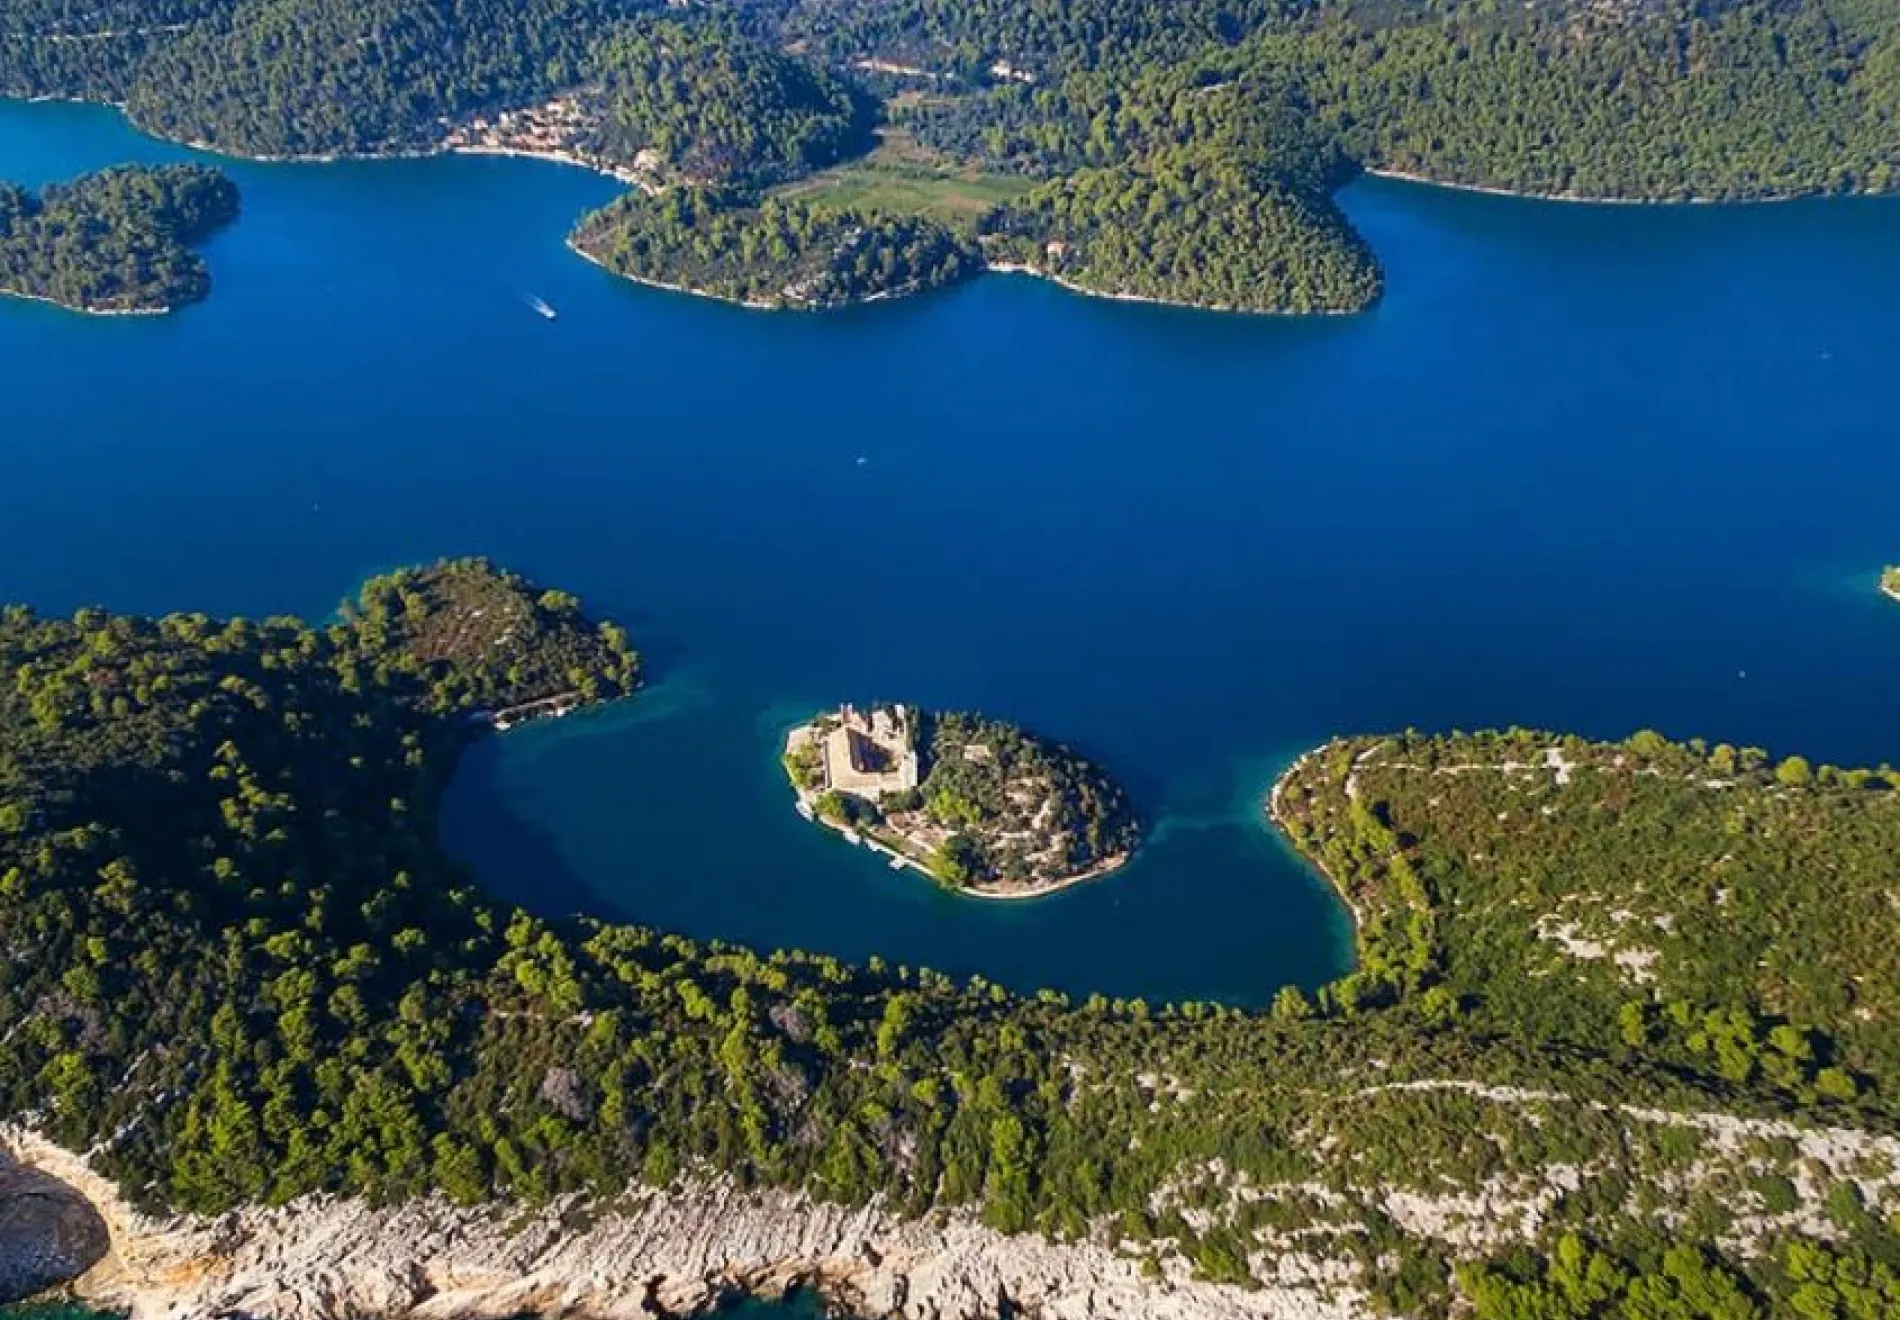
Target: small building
{"x":872,"y":755}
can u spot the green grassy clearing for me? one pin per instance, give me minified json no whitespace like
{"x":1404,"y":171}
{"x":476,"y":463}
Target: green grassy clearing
{"x":902,"y":178}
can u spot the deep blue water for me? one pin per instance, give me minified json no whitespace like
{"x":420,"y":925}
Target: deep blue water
{"x":1590,"y":468}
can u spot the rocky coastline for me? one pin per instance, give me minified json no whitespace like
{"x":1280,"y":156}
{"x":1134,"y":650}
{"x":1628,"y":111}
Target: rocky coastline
{"x":82,"y":309}
{"x":1110,"y":295}
{"x":1277,"y":816}
{"x":647,"y":1253}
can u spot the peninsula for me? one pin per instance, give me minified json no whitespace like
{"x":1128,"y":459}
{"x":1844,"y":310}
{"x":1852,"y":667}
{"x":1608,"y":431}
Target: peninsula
{"x":980,"y":805}
{"x":777,"y":254}
{"x":118,"y":242}
{"x":287,"y":1059}
{"x":1188,"y":153}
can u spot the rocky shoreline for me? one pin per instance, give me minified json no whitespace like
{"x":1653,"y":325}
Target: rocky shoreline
{"x":687,"y":289}
{"x":646,"y":1253}
{"x":1277,"y":817}
{"x":80,"y":309}
{"x":1109,"y":295}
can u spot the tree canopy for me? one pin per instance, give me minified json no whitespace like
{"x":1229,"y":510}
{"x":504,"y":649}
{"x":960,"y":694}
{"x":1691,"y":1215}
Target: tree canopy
{"x":779,"y":252}
{"x":117,"y":241}
{"x":720,"y":107}
{"x":1158,"y":120}
{"x":242,"y":969}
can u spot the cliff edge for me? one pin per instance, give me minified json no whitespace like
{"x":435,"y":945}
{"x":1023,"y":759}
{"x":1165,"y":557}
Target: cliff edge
{"x":646,"y":1253}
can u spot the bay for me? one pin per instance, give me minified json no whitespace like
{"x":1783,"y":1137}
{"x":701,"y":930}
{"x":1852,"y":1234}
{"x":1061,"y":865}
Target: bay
{"x":1591,"y":468}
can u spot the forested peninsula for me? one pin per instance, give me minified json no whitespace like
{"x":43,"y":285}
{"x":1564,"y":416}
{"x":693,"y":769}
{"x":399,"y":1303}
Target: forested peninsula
{"x":116,"y":242}
{"x":775,"y":254}
{"x":1186,"y":152}
{"x":241,"y":969}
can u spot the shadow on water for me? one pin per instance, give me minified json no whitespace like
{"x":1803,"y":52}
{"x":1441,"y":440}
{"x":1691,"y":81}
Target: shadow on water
{"x":671,"y":811}
{"x":515,"y":858}
{"x":482,"y":822}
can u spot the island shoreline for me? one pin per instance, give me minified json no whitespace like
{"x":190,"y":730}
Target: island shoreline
{"x":634,"y":180}
{"x":750,"y":305}
{"x":806,"y":799}
{"x":441,"y":151}
{"x":80,"y":310}
{"x":1588,"y":199}
{"x":1223,"y":309}
{"x":1047,"y":889}
{"x":622,"y":175}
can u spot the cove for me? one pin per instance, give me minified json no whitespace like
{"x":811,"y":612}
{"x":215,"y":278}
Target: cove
{"x":1590,"y":468}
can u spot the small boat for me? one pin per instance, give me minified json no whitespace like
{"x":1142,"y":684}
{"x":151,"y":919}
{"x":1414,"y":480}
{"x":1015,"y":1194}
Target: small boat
{"x":897,"y":863}
{"x":804,"y":809}
{"x":541,"y":305}
{"x":853,"y":837}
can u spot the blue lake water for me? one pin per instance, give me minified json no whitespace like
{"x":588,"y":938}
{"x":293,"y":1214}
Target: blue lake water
{"x":1587,"y":467}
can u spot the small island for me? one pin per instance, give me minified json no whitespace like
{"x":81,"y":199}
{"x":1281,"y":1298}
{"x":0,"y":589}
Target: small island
{"x":981,"y":806}
{"x":115,"y":243}
{"x":1890,"y":582}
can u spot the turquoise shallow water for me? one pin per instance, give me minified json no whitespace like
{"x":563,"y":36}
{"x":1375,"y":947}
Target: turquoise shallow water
{"x":1591,"y":468}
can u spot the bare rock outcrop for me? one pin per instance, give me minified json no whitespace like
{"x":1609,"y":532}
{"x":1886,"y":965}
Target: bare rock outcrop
{"x":49,"y":1233}
{"x":646,"y":1253}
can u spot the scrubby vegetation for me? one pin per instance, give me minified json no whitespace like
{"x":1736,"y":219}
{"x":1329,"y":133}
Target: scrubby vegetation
{"x":1154,"y":125}
{"x":780,"y":253}
{"x":982,"y":805}
{"x":1019,"y":809}
{"x":1706,"y":906}
{"x":117,"y":241}
{"x":240,"y":969}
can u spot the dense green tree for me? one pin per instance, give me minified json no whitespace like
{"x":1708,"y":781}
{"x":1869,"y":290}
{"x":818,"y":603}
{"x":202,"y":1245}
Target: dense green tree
{"x":117,"y":241}
{"x":1155,"y":123}
{"x":719,"y":107}
{"x":241,"y":968}
{"x":775,"y":253}
{"x":1213,"y":235}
